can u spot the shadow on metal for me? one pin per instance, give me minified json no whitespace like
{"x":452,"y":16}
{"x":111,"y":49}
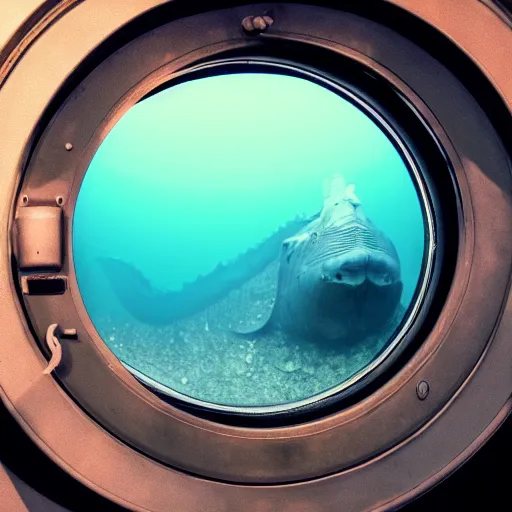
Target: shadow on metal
{"x":480,"y":484}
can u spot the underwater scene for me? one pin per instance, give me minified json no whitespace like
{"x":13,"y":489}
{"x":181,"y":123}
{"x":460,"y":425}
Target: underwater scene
{"x":248,"y":240}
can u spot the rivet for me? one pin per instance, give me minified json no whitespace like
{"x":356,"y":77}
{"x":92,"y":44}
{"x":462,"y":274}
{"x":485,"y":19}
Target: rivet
{"x":24,"y":199}
{"x":422,"y":389}
{"x":254,"y":25}
{"x":59,"y":200}
{"x":68,"y":146}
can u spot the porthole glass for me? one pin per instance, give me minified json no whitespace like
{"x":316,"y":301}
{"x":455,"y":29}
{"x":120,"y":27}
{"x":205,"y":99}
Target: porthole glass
{"x":251,"y":240}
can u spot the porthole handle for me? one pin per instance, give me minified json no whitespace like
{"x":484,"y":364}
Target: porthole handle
{"x":55,"y":348}
{"x":52,"y":340}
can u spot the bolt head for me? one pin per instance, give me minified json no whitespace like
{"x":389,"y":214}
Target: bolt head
{"x":255,"y":25}
{"x":422,"y":389}
{"x":259,"y":23}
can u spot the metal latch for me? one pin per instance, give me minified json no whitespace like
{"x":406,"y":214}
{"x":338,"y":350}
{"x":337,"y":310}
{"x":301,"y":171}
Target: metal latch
{"x":38,"y":237}
{"x":54,"y":345}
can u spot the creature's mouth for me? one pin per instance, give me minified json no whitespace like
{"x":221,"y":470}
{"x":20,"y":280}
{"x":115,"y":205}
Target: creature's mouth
{"x":358,"y":266}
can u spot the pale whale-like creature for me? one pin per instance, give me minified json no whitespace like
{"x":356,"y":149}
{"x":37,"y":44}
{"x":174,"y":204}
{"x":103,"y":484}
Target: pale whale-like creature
{"x":339,"y":276}
{"x":333,"y":276}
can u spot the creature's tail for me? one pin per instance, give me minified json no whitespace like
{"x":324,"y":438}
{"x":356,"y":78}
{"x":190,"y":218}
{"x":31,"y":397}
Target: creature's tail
{"x":143,"y":302}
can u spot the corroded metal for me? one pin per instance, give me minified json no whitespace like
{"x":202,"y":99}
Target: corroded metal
{"x":255,"y":25}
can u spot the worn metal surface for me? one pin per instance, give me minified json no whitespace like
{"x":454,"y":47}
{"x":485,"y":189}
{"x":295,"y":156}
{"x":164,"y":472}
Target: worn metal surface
{"x":26,"y":30}
{"x":502,"y":9}
{"x":17,"y":496}
{"x":460,"y":21}
{"x":38,"y":237}
{"x":134,"y":480}
{"x":14,"y":16}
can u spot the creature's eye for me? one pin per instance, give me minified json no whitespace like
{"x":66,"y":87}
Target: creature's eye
{"x":339,"y":277}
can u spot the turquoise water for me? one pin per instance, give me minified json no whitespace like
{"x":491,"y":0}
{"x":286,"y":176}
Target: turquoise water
{"x":199,"y":173}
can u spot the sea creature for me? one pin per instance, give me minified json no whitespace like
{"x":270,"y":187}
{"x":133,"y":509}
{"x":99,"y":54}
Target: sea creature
{"x":332,"y":277}
{"x":339,"y":276}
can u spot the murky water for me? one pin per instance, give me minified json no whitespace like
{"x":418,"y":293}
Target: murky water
{"x":185,"y":185}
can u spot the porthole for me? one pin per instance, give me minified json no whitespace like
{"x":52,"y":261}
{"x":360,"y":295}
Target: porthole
{"x":297,"y":318}
{"x":304,"y":231}
{"x":201,"y":196}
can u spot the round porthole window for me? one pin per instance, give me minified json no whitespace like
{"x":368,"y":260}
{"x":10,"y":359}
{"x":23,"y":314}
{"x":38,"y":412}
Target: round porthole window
{"x":257,"y":240}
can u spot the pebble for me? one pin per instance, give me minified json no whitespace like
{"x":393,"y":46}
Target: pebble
{"x":112,"y":338}
{"x":248,"y":359}
{"x":290,"y":367}
{"x":184,"y":380}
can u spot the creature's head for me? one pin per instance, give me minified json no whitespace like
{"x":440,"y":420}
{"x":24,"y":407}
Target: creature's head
{"x":344,"y":247}
{"x":342,"y":262}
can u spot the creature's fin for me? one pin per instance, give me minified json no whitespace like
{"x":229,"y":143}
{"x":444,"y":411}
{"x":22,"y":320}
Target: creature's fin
{"x":334,"y":186}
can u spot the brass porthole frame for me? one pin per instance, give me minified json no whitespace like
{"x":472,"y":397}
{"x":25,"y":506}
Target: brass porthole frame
{"x":31,"y":396}
{"x":162,"y":77}
{"x":124,"y":78}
